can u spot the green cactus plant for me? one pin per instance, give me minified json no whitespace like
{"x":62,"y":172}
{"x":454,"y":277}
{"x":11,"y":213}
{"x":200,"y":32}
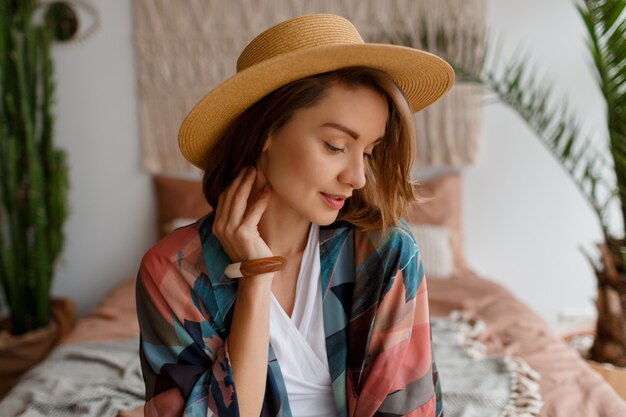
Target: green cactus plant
{"x":33,"y":173}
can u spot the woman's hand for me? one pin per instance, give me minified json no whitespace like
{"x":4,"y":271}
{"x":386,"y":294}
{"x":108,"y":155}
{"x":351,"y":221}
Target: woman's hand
{"x":237,"y":215}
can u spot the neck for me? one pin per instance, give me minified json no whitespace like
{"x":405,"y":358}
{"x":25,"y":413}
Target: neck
{"x":285,"y":231}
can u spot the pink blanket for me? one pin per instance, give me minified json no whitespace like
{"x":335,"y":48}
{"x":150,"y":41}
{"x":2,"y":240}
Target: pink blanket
{"x":569,"y":387}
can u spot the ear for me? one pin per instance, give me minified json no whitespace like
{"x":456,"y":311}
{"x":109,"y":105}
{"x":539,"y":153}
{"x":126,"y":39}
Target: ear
{"x":268,"y":142}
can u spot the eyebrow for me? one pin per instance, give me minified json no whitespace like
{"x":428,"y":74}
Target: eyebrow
{"x":347,"y":130}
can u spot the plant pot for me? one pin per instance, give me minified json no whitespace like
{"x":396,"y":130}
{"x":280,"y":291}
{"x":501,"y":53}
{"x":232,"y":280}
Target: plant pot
{"x":20,"y":353}
{"x":614,"y":375}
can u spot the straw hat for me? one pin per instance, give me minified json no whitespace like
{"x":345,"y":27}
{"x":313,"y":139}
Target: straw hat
{"x":298,"y":48}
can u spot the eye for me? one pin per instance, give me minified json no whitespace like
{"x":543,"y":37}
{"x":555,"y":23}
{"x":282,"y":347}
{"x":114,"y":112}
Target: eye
{"x":332,"y":148}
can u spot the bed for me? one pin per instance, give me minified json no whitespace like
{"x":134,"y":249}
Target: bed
{"x":529,"y":370}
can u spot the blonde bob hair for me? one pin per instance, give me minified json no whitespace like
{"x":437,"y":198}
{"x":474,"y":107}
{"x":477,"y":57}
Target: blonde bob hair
{"x":389,"y":189}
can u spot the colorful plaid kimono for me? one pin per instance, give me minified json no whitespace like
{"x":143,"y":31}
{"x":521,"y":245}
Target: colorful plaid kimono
{"x":376,"y":322}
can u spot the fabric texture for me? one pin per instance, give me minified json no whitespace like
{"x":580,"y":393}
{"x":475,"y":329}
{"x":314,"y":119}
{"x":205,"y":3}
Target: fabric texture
{"x":177,"y":198}
{"x":376,"y":322}
{"x":444,"y":209}
{"x":477,"y":385}
{"x":568,"y":386}
{"x":184,"y":52}
{"x":434,"y":243}
{"x":80,"y":380}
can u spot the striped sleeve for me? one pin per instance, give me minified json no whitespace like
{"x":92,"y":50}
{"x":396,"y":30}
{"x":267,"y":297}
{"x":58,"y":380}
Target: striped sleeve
{"x":184,"y":359}
{"x":402,"y":379}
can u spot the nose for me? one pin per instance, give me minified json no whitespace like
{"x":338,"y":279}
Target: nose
{"x":353,"y":173}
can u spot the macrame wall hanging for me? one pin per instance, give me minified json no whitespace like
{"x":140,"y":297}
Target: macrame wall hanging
{"x":184,"y":49}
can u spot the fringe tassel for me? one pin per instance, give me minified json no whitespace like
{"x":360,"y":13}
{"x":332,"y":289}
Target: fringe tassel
{"x":470,"y":330}
{"x":525,"y":399}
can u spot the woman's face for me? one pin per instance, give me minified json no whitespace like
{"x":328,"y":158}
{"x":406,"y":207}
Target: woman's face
{"x":321,"y":152}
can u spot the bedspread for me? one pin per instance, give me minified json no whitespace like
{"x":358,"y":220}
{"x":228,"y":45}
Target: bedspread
{"x":568,"y":386}
{"x":92,"y":379}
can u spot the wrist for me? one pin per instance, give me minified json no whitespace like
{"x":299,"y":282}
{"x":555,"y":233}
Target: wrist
{"x":255,"y":267}
{"x":262,"y":282}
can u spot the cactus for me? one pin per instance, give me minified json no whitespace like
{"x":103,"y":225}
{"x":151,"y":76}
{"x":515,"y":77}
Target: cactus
{"x":33,"y":173}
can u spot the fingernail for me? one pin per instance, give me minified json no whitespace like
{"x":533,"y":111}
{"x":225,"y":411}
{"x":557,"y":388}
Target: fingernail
{"x":266,"y":188}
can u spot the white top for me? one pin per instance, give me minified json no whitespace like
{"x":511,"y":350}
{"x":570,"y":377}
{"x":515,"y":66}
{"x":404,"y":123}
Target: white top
{"x":299,"y":342}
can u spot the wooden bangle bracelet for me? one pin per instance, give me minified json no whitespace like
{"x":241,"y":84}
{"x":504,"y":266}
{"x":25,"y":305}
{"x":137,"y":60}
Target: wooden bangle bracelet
{"x":255,"y":267}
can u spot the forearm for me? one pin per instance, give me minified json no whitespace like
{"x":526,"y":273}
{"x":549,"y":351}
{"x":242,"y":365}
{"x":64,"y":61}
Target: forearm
{"x":248,"y":342}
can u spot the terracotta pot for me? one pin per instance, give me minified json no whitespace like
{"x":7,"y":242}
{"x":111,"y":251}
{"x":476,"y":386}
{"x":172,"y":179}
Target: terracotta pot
{"x":20,"y":353}
{"x":614,"y":375}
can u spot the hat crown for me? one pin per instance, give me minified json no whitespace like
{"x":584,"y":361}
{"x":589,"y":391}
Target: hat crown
{"x":299,"y":33}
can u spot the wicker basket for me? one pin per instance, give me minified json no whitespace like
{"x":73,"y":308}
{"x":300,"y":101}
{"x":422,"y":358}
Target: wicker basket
{"x":20,"y":353}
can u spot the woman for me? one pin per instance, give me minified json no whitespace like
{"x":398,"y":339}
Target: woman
{"x":303,"y":293}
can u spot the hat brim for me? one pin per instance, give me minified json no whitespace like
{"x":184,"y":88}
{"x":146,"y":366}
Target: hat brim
{"x":423,"y":77}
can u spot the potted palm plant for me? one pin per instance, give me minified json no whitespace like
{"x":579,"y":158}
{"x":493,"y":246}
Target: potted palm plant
{"x":599,"y":172}
{"x":33,"y":194}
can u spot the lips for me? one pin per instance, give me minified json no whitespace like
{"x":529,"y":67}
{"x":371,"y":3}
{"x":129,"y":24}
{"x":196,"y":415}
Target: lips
{"x":337,"y":196}
{"x":334,"y":201}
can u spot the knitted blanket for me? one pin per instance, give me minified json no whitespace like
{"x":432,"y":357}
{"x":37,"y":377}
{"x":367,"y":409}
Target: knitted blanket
{"x":85,"y":379}
{"x":474,"y":385}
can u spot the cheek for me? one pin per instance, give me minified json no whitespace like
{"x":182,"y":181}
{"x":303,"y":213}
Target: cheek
{"x":296,"y":165}
{"x":306,"y":165}
{"x":299,"y":163}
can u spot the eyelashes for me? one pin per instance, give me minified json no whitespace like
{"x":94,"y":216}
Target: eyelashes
{"x":332,"y":149}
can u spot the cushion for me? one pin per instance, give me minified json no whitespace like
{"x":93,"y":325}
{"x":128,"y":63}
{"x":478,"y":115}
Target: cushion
{"x":443,"y":210}
{"x":178,"y":198}
{"x":435,"y":248}
{"x":176,"y":223}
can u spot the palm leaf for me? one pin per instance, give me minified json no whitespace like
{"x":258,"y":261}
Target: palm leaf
{"x":599,"y":172}
{"x":606,"y":23}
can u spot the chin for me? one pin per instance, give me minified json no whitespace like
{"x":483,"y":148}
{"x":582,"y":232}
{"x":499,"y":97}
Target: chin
{"x":316,"y":212}
{"x":324,"y":219}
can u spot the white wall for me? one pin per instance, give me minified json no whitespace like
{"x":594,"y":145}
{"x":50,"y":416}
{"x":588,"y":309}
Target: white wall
{"x":111,"y":224}
{"x":523,"y":217}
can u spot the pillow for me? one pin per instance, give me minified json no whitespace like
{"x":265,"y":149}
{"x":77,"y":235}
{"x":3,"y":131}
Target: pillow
{"x":436,"y":249}
{"x":443,"y":210}
{"x":178,"y":198}
{"x":176,"y":223}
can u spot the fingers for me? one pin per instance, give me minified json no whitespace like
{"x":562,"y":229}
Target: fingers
{"x":257,"y":208}
{"x":261,"y":179}
{"x":224,"y":201}
{"x":240,"y":198}
{"x":238,"y":213}
{"x":257,"y":188}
